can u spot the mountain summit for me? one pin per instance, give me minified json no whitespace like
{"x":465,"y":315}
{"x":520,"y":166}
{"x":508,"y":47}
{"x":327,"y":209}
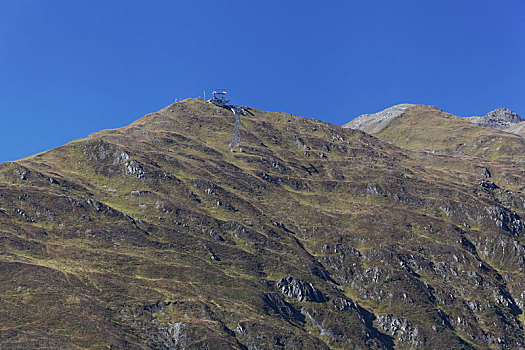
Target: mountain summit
{"x":372,"y":123}
{"x":500,"y":118}
{"x":157,"y":236}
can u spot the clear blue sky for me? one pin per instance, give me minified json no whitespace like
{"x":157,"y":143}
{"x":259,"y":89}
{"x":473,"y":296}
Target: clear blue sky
{"x":70,"y":68}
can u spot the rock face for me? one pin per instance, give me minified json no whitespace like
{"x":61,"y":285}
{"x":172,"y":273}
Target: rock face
{"x":500,"y":118}
{"x":157,"y":236}
{"x":372,"y":123}
{"x":302,"y":291}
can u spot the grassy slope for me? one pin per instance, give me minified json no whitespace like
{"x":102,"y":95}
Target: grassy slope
{"x":427,"y":128}
{"x":114,"y":239}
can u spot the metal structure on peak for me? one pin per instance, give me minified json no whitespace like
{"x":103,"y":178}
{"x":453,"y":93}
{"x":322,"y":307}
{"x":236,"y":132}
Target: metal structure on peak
{"x":219,"y":99}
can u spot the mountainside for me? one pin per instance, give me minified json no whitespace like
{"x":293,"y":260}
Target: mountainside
{"x":156,"y":236}
{"x":518,"y":129}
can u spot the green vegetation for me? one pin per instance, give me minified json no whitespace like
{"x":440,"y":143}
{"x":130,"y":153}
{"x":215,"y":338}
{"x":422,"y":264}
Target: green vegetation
{"x":156,"y":236}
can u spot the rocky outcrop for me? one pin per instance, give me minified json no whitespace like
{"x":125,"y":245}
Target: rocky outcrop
{"x":108,"y":159}
{"x":400,"y":329}
{"x":300,"y":290}
{"x":500,"y":118}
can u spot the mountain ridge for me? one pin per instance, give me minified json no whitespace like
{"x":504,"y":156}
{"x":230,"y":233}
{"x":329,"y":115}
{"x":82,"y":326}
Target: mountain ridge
{"x":501,"y":118}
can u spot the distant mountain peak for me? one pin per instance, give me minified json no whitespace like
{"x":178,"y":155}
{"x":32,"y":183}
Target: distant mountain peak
{"x":499,"y":118}
{"x":505,"y":115}
{"x":375,"y":122}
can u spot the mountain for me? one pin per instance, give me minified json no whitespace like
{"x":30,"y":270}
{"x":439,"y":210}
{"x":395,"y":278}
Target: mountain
{"x":372,"y":123}
{"x":500,"y":118}
{"x":157,"y":236}
{"x":428,"y":129}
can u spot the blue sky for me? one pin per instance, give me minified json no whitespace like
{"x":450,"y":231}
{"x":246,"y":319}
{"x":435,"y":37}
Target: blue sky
{"x":70,"y":68}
